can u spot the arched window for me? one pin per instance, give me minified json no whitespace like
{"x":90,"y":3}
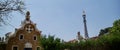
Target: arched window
{"x":21,"y":37}
{"x":34,"y":37}
{"x":14,"y":47}
{"x":28,"y":45}
{"x":38,"y":48}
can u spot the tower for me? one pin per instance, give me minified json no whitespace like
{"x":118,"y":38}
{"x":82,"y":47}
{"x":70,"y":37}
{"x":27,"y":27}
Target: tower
{"x":79,"y":37}
{"x":85,"y":25}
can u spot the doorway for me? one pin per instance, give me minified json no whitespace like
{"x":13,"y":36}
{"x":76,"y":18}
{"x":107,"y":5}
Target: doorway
{"x":27,"y":48}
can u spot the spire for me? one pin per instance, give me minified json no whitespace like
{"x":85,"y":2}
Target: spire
{"x":78,"y":35}
{"x":28,"y":16}
{"x":84,"y":13}
{"x":85,"y":25}
{"x":27,"y":19}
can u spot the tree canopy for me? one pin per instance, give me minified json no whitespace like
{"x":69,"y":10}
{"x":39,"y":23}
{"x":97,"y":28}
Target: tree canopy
{"x":51,"y":43}
{"x":104,"y":31}
{"x":109,"y":41}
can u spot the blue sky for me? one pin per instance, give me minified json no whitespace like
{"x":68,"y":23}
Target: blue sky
{"x":63,"y":18}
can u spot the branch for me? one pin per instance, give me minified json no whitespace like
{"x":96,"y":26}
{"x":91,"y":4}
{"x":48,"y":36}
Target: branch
{"x":9,"y":6}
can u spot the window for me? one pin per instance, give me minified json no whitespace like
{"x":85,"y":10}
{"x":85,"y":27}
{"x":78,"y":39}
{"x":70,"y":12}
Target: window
{"x":15,"y":48}
{"x":29,"y":29}
{"x":21,"y":37}
{"x":38,"y":48}
{"x":35,"y":37}
{"x":28,"y":45}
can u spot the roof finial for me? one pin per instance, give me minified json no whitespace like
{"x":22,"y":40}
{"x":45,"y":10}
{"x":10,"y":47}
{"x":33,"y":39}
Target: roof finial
{"x":28,"y":15}
{"x":84,"y":12}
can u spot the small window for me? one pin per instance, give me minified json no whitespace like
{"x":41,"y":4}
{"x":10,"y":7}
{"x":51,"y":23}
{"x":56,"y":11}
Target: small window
{"x":38,"y":48}
{"x":15,"y":48}
{"x":21,"y":37}
{"x":29,"y":28}
{"x":35,"y":37}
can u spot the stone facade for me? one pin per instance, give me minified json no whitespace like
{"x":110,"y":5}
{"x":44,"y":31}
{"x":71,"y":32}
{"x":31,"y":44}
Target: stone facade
{"x":25,"y":37}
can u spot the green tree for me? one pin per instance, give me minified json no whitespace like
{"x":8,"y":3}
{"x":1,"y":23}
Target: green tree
{"x":51,"y":43}
{"x":111,"y":41}
{"x":104,"y":31}
{"x":116,"y":27}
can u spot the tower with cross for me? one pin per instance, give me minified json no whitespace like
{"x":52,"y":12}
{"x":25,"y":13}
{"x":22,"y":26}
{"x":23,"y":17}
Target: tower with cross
{"x":85,"y":25}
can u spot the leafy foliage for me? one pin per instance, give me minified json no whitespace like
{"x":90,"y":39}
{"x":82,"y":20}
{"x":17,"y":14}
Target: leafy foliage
{"x":110,"y":41}
{"x":51,"y":43}
{"x":104,"y":31}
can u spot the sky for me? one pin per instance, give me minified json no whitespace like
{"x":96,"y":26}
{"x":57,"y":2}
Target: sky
{"x":63,"y":18}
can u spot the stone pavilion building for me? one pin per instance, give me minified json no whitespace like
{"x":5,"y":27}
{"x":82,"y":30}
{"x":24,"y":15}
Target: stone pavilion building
{"x":25,"y":37}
